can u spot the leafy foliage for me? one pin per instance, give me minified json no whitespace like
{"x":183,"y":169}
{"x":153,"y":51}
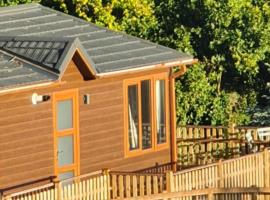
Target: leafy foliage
{"x":15,"y":2}
{"x":199,"y":103}
{"x":231,"y":38}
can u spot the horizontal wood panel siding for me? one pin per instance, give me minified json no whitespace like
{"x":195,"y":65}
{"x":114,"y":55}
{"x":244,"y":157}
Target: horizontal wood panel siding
{"x":102,"y":129}
{"x":26,"y":131}
{"x":25,"y":139}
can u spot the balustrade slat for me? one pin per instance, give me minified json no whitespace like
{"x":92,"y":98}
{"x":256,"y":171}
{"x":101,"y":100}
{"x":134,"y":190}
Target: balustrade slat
{"x":134,"y":186}
{"x":155,"y":186}
{"x":141,"y":185}
{"x":127,"y":186}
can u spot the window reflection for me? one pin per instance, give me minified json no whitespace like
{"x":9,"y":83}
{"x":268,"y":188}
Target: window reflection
{"x":133,"y":118}
{"x":146,"y":114}
{"x":160,"y":111}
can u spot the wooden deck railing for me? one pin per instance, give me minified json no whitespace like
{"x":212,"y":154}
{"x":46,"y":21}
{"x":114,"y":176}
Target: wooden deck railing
{"x":127,"y":185}
{"x":157,"y":169}
{"x":244,"y":172}
{"x":246,"y":177}
{"x":199,"y":145}
{"x":40,"y":181}
{"x":89,"y":186}
{"x":250,"y":172}
{"x":251,"y":193}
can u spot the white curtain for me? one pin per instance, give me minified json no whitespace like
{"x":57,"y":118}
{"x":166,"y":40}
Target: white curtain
{"x":133,"y":137}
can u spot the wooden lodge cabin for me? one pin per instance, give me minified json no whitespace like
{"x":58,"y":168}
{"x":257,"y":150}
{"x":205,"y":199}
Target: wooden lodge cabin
{"x":76,"y":98}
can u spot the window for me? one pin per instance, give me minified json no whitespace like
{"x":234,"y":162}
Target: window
{"x":146,"y":114}
{"x":133,"y":117}
{"x":160,"y":112}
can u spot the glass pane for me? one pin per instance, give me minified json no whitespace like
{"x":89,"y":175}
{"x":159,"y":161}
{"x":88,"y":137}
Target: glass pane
{"x":64,"y":114}
{"x":146,"y":114}
{"x":66,"y":175}
{"x":65,"y":150}
{"x":160,"y":111}
{"x":133,"y":118}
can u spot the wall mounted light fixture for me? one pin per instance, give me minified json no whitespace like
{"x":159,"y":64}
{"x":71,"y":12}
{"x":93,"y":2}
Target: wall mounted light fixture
{"x":39,"y":98}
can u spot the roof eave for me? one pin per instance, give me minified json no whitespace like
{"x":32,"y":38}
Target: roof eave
{"x":189,"y":61}
{"x":27,"y":87}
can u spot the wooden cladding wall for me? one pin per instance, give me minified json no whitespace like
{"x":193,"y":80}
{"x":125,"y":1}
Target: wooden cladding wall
{"x":26,"y":140}
{"x":26,"y":130}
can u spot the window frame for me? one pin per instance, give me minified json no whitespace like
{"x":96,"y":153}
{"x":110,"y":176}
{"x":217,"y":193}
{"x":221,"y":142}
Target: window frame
{"x":154,"y":146}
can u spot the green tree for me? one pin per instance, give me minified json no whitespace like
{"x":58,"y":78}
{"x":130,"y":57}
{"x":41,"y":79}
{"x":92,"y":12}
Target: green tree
{"x":231,"y":38}
{"x":15,"y":2}
{"x":199,"y":103}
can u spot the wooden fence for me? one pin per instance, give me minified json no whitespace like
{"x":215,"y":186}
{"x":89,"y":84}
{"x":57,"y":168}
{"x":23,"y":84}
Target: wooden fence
{"x":199,"y":145}
{"x":126,"y":185}
{"x":209,"y":194}
{"x":250,"y":172}
{"x":247,"y":171}
{"x":157,"y":169}
{"x":92,"y":186}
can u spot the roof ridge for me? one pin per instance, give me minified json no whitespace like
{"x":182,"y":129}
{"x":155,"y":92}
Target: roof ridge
{"x":34,"y":38}
{"x":32,"y":26}
{"x":25,"y":19}
{"x":13,"y":8}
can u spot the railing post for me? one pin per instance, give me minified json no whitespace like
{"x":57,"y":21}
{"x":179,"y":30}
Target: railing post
{"x":253,"y":196}
{"x":220,"y":174}
{"x":169,"y":181}
{"x":174,"y":145}
{"x":58,"y":190}
{"x":114,"y":186}
{"x":210,"y":196}
{"x":266,"y":167}
{"x":231,"y":128}
{"x":232,"y":145}
{"x":6,"y":197}
{"x":106,"y":173}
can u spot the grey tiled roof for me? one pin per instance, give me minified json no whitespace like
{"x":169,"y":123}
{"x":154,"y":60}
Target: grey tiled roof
{"x":50,"y":55}
{"x":107,"y":50}
{"x":15,"y":72}
{"x":46,"y":53}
